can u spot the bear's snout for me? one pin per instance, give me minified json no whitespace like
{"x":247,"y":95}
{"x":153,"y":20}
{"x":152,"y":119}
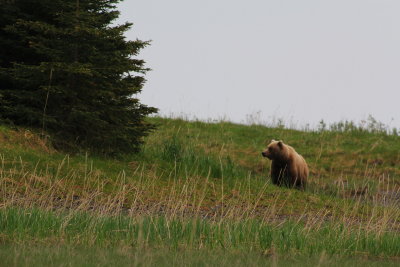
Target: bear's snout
{"x":264,"y":154}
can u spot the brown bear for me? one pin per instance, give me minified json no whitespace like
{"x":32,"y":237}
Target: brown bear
{"x":288,"y":168}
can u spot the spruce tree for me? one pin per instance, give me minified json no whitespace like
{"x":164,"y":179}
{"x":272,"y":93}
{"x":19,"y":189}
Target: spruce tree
{"x":66,"y":69}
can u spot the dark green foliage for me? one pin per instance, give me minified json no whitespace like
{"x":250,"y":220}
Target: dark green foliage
{"x":66,"y":70}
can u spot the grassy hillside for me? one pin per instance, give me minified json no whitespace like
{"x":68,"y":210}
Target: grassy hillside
{"x":202,"y":188}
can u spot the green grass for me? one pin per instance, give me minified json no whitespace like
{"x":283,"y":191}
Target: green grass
{"x":62,"y":255}
{"x":24,"y":226}
{"x":203,"y":189}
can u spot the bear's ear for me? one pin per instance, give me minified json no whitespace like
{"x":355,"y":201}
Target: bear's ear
{"x":273,"y":140}
{"x":280,"y":144}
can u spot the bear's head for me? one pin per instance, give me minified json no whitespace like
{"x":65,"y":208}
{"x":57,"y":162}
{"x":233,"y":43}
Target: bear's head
{"x":275,"y":150}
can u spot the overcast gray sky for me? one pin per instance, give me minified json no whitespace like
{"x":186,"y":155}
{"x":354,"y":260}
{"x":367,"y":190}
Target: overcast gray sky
{"x":302,"y":61}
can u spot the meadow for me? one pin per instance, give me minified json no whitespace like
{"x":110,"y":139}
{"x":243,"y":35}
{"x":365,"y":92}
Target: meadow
{"x":199,"y":193}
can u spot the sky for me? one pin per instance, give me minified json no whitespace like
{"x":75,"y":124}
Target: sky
{"x":299,"y":61}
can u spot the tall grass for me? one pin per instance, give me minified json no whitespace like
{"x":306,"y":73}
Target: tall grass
{"x":149,"y":210}
{"x":291,"y":237}
{"x":198,"y":186}
{"x":368,"y":125}
{"x":187,"y":157}
{"x":184,"y":190}
{"x":69,"y":256}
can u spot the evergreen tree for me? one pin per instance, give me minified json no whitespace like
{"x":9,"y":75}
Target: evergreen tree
{"x":66,"y":69}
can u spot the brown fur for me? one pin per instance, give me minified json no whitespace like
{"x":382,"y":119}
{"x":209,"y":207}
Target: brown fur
{"x":288,"y":168}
